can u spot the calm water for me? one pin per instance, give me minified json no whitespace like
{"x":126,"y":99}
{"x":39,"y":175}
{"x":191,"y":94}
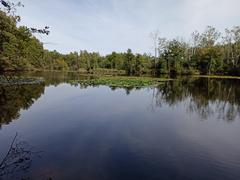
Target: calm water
{"x":184,"y":129}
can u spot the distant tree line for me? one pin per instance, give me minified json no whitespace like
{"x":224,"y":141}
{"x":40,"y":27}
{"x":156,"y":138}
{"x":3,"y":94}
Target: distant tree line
{"x":210,"y":52}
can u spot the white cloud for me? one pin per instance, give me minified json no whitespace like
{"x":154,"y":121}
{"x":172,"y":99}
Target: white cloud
{"x":108,"y":25}
{"x":219,"y":13}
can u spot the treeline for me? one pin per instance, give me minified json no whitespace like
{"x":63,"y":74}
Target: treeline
{"x":85,"y":61}
{"x":209,"y":52}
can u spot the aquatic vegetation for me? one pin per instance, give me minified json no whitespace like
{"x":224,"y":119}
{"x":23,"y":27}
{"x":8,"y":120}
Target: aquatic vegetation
{"x":12,"y":80}
{"x":122,"y":82}
{"x":217,"y":77}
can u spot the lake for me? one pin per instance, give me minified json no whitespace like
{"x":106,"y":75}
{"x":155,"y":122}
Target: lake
{"x":188,"y":128}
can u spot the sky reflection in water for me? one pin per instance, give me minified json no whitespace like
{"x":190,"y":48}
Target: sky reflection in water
{"x":184,"y":129}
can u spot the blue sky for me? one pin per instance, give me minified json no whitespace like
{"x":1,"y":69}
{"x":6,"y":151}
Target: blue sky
{"x":116,"y":25}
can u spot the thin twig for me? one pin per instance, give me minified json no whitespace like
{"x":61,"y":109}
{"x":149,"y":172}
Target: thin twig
{"x":4,"y":159}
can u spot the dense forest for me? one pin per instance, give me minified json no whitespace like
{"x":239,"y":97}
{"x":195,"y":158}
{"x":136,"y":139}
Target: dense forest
{"x":209,"y":52}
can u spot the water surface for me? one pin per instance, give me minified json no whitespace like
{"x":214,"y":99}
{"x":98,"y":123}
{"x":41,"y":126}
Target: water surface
{"x":188,"y":128}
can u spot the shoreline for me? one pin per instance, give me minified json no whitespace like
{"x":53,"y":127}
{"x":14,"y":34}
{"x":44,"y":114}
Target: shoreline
{"x":120,"y":73}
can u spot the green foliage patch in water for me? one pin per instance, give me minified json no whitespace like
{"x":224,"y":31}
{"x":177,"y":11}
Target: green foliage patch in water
{"x":123,"y":82}
{"x":217,"y":77}
{"x":12,"y":80}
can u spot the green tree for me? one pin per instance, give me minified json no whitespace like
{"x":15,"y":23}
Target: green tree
{"x":129,"y":62}
{"x":139,"y":65}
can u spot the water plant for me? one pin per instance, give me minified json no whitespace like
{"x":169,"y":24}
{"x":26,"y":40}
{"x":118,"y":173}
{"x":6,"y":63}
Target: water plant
{"x":122,"y":81}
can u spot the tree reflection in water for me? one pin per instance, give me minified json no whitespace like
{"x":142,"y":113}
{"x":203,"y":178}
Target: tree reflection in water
{"x":206,"y":97}
{"x":15,"y":98}
{"x":218,"y":98}
{"x":18,"y":160}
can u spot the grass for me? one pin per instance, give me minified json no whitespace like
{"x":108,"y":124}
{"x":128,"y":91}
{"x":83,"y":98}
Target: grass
{"x":123,"y":82}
